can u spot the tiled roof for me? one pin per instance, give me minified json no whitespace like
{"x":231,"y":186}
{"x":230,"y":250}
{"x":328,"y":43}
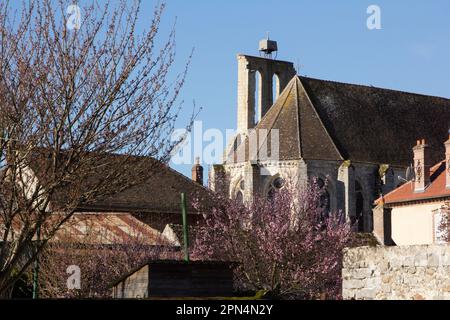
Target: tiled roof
{"x":108,"y":228}
{"x":434,"y":191}
{"x":100,"y":228}
{"x":160,"y":193}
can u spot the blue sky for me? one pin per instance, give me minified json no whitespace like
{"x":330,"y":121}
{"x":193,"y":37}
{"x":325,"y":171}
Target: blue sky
{"x":329,"y":39}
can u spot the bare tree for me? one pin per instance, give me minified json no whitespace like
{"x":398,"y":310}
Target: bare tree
{"x":83,"y":105}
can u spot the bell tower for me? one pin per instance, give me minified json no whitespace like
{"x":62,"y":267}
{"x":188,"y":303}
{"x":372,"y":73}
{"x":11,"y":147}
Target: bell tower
{"x":269,"y":70}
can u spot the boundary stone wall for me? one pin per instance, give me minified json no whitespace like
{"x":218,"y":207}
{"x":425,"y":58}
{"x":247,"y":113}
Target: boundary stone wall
{"x":402,"y":272}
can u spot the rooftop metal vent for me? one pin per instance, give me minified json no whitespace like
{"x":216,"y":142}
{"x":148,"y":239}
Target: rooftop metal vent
{"x":267,"y":46}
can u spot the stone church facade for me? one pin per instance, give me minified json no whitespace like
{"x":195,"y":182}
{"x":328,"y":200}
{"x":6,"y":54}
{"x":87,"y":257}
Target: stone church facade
{"x":356,"y":138}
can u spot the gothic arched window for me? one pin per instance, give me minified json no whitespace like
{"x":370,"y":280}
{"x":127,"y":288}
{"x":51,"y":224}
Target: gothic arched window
{"x":237,"y":142}
{"x":275,"y":87}
{"x":239,"y":197}
{"x":258,"y":96}
{"x":239,"y":193}
{"x":274,"y":187}
{"x":359,"y":217}
{"x":325,"y":196}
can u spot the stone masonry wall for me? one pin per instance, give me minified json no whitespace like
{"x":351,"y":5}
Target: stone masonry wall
{"x":401,"y":272}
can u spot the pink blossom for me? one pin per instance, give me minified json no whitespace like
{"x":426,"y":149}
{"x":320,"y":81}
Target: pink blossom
{"x":290,"y":246}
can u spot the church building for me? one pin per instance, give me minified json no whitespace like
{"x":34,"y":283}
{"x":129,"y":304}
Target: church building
{"x":355,"y":138}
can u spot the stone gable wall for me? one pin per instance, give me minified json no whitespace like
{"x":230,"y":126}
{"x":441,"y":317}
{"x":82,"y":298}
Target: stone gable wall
{"x":402,"y":272}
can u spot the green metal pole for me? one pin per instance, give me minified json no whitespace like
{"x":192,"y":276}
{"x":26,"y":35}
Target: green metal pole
{"x":185,"y":227}
{"x":36,"y":267}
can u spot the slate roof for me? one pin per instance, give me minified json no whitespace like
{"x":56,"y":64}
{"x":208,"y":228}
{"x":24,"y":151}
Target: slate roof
{"x":328,"y":120}
{"x":377,"y":125}
{"x":301,"y":131}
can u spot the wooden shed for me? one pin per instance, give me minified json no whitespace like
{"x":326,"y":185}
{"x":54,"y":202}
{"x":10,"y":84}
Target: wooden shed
{"x":170,"y":278}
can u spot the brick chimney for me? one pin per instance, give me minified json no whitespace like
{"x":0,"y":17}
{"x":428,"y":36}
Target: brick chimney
{"x":447,"y":162}
{"x":421,"y":165}
{"x":197,"y":172}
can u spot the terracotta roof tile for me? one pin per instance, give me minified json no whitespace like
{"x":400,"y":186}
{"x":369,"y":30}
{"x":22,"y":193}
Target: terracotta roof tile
{"x":108,"y":228}
{"x":435,"y":190}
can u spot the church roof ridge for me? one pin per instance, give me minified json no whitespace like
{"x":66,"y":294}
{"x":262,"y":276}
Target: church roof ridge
{"x":371,"y":87}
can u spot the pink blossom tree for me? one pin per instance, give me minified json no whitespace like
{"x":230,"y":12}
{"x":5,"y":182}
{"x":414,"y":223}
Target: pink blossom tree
{"x":100,"y":262}
{"x":290,"y":245}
